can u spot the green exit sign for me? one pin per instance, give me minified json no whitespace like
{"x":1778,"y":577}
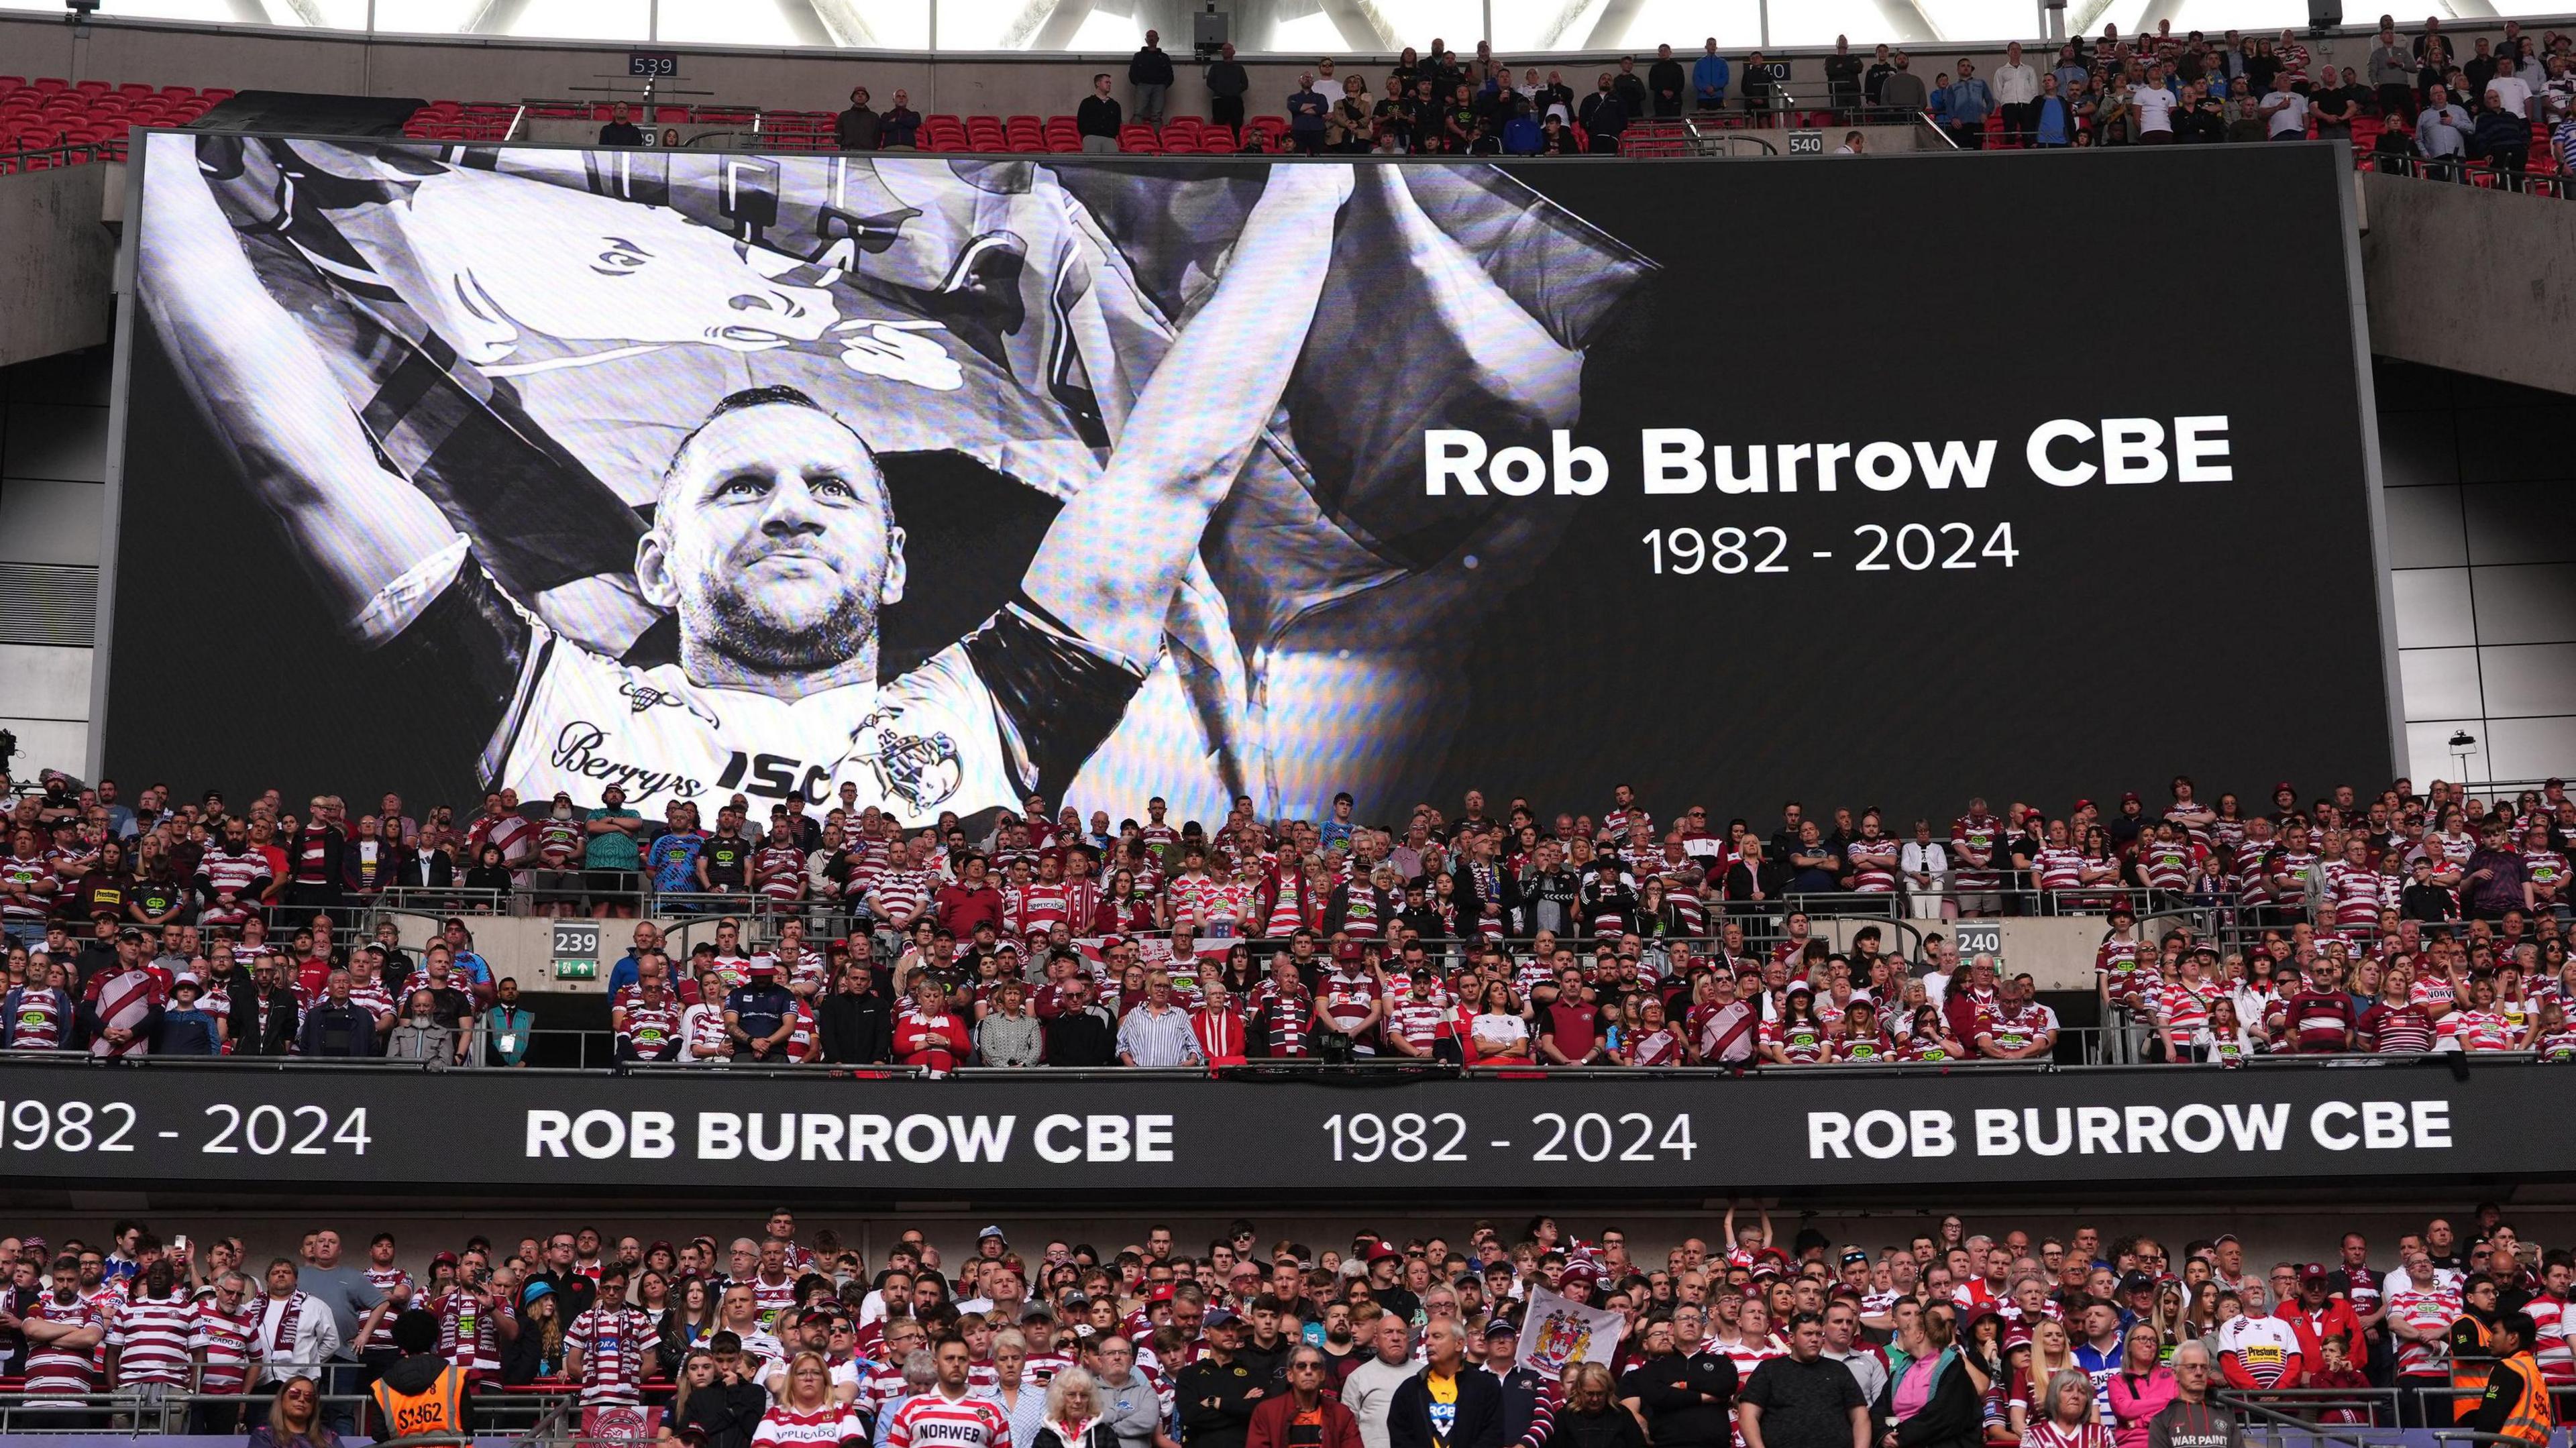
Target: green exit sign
{"x":576,"y":970}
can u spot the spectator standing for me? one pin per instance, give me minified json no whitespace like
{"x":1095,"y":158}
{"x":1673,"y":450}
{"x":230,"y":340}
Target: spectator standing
{"x":855,"y":129}
{"x":1306,"y":109}
{"x":2442,"y":138}
{"x":1804,"y":1399}
{"x":1843,"y":78}
{"x":1903,"y":91}
{"x":1227,"y":81}
{"x":1099,"y":118}
{"x":1758,"y":86}
{"x":2503,"y":136}
{"x":611,"y":857}
{"x":2052,"y":126}
{"x":2152,"y":106}
{"x":2284,"y":111}
{"x":1970,"y":102}
{"x":508,"y":1027}
{"x":1664,"y":82}
{"x":1149,"y":70}
{"x":1604,"y":117}
{"x":1631,"y":87}
{"x":620,"y":130}
{"x":900,"y":128}
{"x":1448,"y":1404}
{"x":1709,"y":79}
{"x":2016,"y":88}
{"x":2392,"y":72}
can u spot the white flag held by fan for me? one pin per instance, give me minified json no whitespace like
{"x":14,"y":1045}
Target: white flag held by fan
{"x":1558,"y":1330}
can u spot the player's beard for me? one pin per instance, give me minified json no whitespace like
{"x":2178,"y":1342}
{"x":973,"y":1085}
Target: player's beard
{"x":740,"y":626}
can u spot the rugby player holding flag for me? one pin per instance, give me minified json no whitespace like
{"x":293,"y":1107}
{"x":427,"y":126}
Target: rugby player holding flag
{"x":774,"y":545}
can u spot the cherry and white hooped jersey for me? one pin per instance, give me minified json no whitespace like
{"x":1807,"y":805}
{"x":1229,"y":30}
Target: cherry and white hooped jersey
{"x":780,"y":871}
{"x":2557,"y":1363}
{"x":385,"y":1280}
{"x":2058,"y":869}
{"x":155,"y":1340}
{"x":653,"y":1028}
{"x":36,"y":875}
{"x":1804,"y":1046}
{"x":932,"y":1420}
{"x":2429,"y":1310}
{"x":2167,"y":864}
{"x":1421,"y":1020}
{"x":784,"y":1427}
{"x":53,"y":1371}
{"x":1345,"y":999}
{"x":1044,"y":905}
{"x":232,"y":1343}
{"x":2358,"y":894}
{"x":702,"y":1031}
{"x":2478,"y":1030}
{"x":41,"y":1021}
{"x":613,"y":1340}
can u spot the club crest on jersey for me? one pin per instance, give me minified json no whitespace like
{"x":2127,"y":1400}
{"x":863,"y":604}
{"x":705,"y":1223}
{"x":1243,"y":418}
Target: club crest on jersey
{"x":641,"y":696}
{"x":922,"y":770}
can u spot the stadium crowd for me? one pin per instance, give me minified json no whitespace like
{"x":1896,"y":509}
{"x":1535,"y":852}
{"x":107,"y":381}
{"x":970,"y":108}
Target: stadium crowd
{"x":1492,"y":1339}
{"x":2417,"y":98}
{"x":2398,"y":923}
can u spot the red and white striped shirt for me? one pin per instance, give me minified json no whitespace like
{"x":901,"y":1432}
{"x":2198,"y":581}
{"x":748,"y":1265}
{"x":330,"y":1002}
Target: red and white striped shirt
{"x":232,"y":1344}
{"x":783,"y":1427}
{"x":612,"y":1339}
{"x":469,"y":1333}
{"x":54,"y":1371}
{"x":155,"y":1341}
{"x":933,"y":1420}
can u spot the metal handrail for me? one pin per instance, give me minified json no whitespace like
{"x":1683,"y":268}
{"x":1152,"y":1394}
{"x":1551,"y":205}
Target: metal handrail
{"x":2279,"y":1421}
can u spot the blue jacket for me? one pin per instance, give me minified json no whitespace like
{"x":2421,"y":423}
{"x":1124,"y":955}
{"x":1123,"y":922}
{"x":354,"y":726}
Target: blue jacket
{"x":1970,"y":101}
{"x":1709,"y":76}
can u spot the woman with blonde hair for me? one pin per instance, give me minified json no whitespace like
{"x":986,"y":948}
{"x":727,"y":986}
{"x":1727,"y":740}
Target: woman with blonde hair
{"x":1073,"y":1418}
{"x":806,"y":1415}
{"x":1024,"y":1405}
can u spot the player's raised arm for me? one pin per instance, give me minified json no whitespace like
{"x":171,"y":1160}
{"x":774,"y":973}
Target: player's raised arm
{"x":1118,"y":551}
{"x":267,"y":394}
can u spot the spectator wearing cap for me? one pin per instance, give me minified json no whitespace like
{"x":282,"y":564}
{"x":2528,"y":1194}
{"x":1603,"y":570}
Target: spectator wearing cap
{"x":760,"y":1014}
{"x":1302,"y":1414}
{"x":1216,"y":1395}
{"x":184,"y":1029}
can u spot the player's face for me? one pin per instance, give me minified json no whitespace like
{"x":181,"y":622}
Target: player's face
{"x":596,"y":269}
{"x":773,"y":542}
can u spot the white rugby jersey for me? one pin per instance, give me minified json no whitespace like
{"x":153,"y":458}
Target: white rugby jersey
{"x":1014,"y":707}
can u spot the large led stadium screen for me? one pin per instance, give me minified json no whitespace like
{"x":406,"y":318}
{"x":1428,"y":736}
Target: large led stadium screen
{"x":951,"y":480}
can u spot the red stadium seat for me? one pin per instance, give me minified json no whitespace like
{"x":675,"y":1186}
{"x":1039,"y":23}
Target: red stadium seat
{"x":45,"y":85}
{"x":93,"y":87}
{"x":179,"y":92}
{"x":1216,"y":140}
{"x":214,"y":94}
{"x":671,"y":115}
{"x":9,"y":84}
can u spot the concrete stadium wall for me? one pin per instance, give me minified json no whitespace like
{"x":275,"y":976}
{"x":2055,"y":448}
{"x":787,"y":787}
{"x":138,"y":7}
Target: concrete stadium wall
{"x":2508,"y":322}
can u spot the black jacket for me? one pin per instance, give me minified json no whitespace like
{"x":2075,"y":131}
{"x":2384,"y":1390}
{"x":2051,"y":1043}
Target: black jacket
{"x":1081,"y":1039}
{"x":1215,"y":1402}
{"x":1666,"y":76}
{"x":1612,"y":1427}
{"x":1227,"y":79}
{"x":1669,"y":1389}
{"x":262,"y":1027}
{"x":858,"y":1030}
{"x":1150,"y":66}
{"x":1523,"y":1390}
{"x":1098,"y":115}
{"x":721,"y":1416}
{"x":1479,"y":1422}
